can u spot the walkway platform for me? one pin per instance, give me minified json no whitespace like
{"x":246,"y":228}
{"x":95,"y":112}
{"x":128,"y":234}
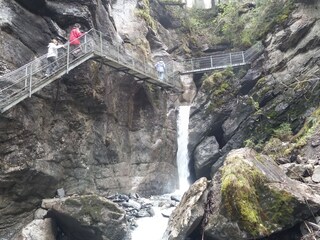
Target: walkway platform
{"x":221,"y":60}
{"x":20,"y":84}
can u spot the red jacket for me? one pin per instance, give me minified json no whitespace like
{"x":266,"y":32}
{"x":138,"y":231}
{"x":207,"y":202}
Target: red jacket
{"x":75,"y":34}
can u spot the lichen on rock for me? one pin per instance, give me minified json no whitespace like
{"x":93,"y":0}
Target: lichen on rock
{"x":243,"y":187}
{"x":254,"y":198}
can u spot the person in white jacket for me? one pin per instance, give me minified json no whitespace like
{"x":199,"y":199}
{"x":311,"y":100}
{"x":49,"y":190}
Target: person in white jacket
{"x":52,"y":56}
{"x":160,"y":67}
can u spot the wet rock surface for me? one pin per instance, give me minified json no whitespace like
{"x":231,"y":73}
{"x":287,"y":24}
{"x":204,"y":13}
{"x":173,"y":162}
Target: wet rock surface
{"x":249,"y":197}
{"x":270,"y":91}
{"x":93,"y":131}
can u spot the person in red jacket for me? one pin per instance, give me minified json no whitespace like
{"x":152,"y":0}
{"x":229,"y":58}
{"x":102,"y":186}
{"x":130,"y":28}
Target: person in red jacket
{"x":74,"y":40}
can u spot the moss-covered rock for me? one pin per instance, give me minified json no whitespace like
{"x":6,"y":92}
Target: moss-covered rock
{"x":254,"y":198}
{"x":87,"y":217}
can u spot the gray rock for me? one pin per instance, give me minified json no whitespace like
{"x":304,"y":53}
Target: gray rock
{"x":132,"y":204}
{"x":297,"y":171}
{"x":316,"y":174}
{"x":39,"y":230}
{"x":176,"y":198}
{"x":188,"y":214}
{"x":61,"y":193}
{"x":88,"y":217}
{"x":234,"y":191}
{"x":40,"y":213}
{"x":206,"y":153}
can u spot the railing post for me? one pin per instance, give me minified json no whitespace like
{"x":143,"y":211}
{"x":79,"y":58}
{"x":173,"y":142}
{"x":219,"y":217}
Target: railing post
{"x":26,"y":79}
{"x":191,"y":64}
{"x":243,"y":58}
{"x":230,"y":59}
{"x":118,"y":52}
{"x":211,"y":61}
{"x":100,"y":36}
{"x":68,"y":57}
{"x":85,"y":43}
{"x":30,"y":81}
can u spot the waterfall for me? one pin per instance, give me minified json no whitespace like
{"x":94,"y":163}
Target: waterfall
{"x":154,"y":227}
{"x":182,"y":155}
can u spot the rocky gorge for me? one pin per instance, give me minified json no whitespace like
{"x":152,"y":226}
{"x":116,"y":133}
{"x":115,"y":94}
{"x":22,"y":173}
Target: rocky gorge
{"x":104,"y":140}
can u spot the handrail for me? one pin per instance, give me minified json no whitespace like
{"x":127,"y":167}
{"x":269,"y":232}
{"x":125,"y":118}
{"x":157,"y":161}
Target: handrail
{"x":222,"y":60}
{"x":24,"y":81}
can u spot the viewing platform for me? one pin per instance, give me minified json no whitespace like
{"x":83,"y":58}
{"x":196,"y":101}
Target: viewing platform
{"x":21,"y":83}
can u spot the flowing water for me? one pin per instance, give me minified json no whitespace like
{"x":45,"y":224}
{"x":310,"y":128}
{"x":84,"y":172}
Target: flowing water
{"x":154,"y":227}
{"x":182,"y":155}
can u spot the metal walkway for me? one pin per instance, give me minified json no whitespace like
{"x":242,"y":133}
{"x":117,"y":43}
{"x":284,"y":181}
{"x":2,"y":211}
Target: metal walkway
{"x":21,"y":83}
{"x":222,"y":60}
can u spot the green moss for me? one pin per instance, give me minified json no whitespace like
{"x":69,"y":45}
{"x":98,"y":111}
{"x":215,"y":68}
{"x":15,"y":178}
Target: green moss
{"x":217,"y":85}
{"x":246,"y":199}
{"x":283,"y":132}
{"x":309,"y":127}
{"x":144,"y":13}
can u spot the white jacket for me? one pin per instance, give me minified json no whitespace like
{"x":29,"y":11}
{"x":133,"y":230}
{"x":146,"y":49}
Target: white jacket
{"x":53,"y":50}
{"x":160,"y":66}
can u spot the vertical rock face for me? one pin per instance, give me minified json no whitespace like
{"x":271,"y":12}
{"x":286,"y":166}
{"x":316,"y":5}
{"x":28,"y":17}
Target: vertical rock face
{"x":271,"y":92}
{"x":93,"y":131}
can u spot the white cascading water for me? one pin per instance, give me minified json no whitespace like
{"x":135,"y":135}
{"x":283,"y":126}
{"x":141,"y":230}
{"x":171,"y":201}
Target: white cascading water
{"x":182,"y":155}
{"x":154,"y":227}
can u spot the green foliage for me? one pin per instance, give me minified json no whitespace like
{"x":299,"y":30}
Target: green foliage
{"x":144,"y":13}
{"x":309,"y":127}
{"x":249,"y":143}
{"x":283,"y":132}
{"x":235,"y":24}
{"x":217,"y":85}
{"x":275,"y":149}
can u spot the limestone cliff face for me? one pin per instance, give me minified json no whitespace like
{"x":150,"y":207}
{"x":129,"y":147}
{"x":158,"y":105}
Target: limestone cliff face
{"x":93,"y":131}
{"x":281,"y":86}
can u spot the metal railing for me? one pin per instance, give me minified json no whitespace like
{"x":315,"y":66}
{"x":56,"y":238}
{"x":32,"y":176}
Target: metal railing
{"x":21,"y":83}
{"x":222,"y":60}
{"x":26,"y":80}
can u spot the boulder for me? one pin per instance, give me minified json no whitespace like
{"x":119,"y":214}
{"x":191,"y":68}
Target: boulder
{"x":316,"y":174}
{"x":253,"y":198}
{"x":188,"y":214}
{"x":87,"y":217}
{"x":39,"y":230}
{"x":297,"y":171}
{"x":204,"y":156}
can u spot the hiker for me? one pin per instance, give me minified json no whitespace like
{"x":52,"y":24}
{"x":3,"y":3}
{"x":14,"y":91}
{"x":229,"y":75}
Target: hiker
{"x":74,"y":40}
{"x":160,"y":67}
{"x":52,"y":56}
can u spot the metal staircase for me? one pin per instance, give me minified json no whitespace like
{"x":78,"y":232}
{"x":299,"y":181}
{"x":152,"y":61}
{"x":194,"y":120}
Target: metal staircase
{"x":21,"y":83}
{"x":222,"y":60}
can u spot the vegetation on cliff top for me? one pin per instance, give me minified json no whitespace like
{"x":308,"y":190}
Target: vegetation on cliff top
{"x":237,"y":24}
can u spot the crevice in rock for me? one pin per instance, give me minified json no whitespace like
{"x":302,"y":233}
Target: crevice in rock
{"x":289,"y":234}
{"x":218,"y":133}
{"x":246,"y":87}
{"x":37,"y":7}
{"x":197,"y":79}
{"x":71,"y":228}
